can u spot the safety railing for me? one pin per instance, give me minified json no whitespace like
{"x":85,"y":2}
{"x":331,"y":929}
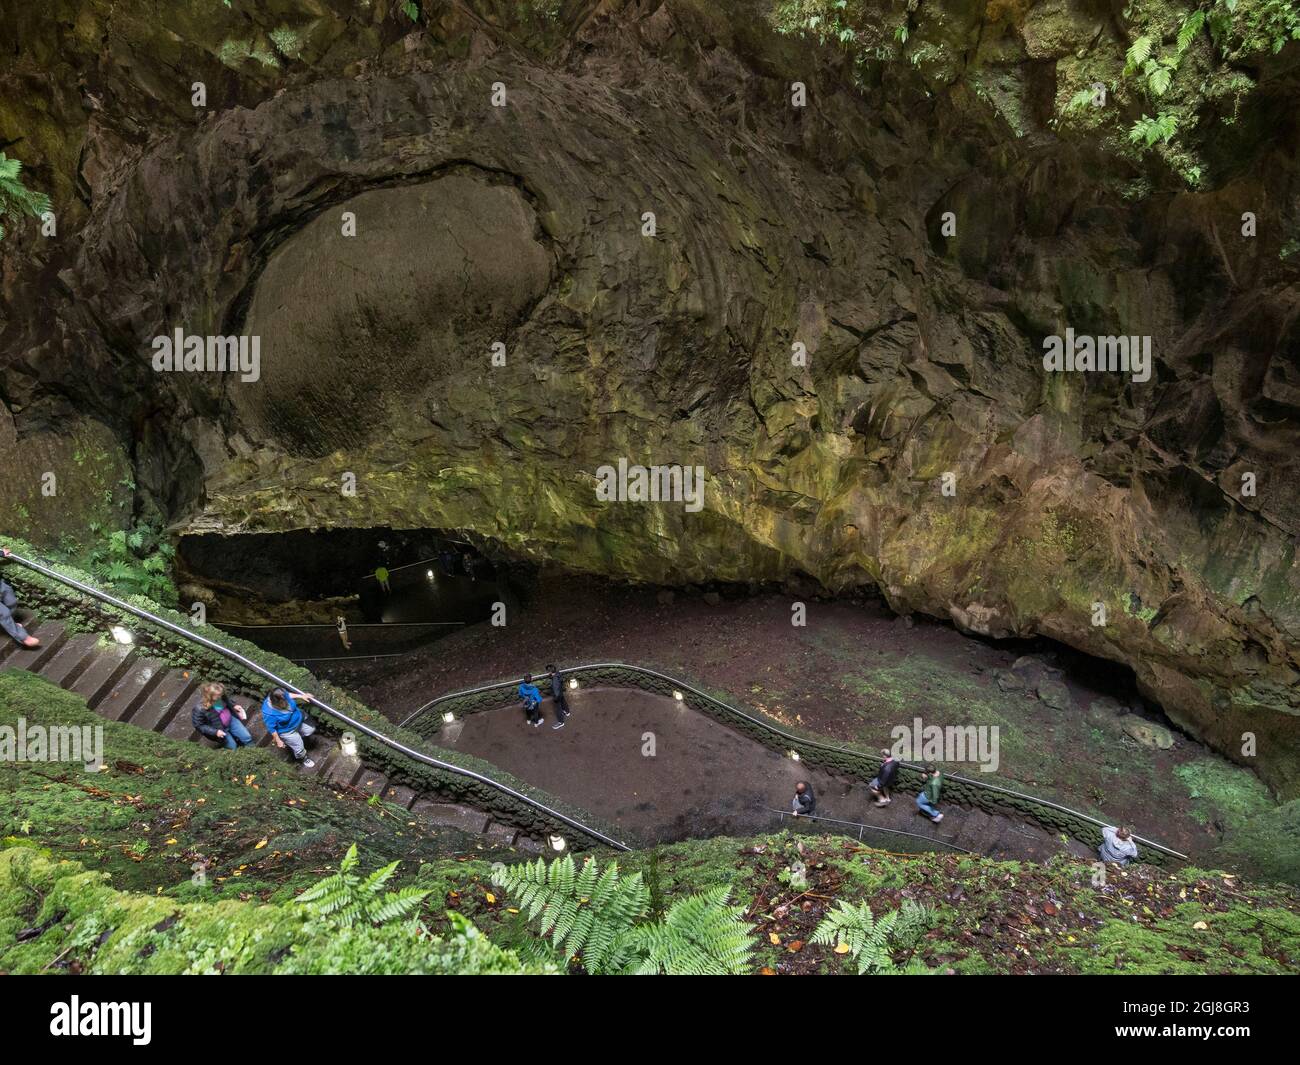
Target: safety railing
{"x":965,"y":791}
{"x":375,"y":734}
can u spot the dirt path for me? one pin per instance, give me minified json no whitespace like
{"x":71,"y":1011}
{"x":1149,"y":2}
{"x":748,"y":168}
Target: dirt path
{"x":665,"y":772}
{"x":852,"y":673}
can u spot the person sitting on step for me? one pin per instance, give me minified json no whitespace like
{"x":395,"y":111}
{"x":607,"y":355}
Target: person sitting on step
{"x":805,"y":802}
{"x":287,"y":724}
{"x":1117,"y":845}
{"x":220,"y":719}
{"x":927,"y":799}
{"x":532,"y":698}
{"x":8,"y":601}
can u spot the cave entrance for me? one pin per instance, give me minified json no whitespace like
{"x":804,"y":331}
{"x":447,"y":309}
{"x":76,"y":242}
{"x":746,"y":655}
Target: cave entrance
{"x":323,"y":595}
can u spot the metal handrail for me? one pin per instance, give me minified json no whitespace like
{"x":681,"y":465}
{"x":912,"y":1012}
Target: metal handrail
{"x":789,"y":736}
{"x":280,"y":682}
{"x":869,"y":828}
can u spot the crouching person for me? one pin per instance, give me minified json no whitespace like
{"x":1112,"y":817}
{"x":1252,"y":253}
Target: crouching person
{"x":219,"y":719}
{"x":1117,"y":845}
{"x":287,"y":724}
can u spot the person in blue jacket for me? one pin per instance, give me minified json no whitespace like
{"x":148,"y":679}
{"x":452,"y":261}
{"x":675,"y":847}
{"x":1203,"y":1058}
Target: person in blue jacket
{"x":532,"y":701}
{"x":287,"y":724}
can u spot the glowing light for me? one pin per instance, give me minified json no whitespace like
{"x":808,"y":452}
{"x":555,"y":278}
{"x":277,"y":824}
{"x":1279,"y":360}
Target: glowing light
{"x":557,"y":843}
{"x":349,"y":745}
{"x":122,"y":635}
{"x":573,"y":682}
{"x":448,"y":718}
{"x":678,"y":696}
{"x":429,"y":573}
{"x":794,"y":755}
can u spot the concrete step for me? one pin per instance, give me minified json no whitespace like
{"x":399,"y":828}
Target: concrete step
{"x":73,"y":657}
{"x":52,"y":635}
{"x":343,"y":770}
{"x":98,"y":678}
{"x":371,"y":782}
{"x":132,"y":689}
{"x":504,"y":835}
{"x":454,"y":815}
{"x":170,"y":697}
{"x":400,"y":794}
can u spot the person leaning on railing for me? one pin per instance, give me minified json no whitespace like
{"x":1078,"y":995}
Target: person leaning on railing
{"x":8,"y":601}
{"x":287,"y":724}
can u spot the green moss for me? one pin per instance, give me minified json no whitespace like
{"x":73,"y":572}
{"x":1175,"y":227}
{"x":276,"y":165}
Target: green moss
{"x":160,"y":807}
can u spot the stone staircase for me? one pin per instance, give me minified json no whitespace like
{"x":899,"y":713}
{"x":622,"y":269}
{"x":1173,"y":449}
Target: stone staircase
{"x":122,"y":684}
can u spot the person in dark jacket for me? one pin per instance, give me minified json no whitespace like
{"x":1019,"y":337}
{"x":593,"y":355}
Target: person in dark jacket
{"x":884,"y":778}
{"x":805,"y":802}
{"x":532,"y":699}
{"x":8,"y":600}
{"x":219,"y":719}
{"x":557,"y":692}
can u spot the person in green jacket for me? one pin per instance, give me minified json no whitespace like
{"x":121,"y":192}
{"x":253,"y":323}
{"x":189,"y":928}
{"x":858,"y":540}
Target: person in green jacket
{"x":927,"y":799}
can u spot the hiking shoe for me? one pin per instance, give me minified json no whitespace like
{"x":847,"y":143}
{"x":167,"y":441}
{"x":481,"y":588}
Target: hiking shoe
{"x":307,"y":763}
{"x":937,"y":818}
{"x":559,"y":725}
{"x":882,"y":802}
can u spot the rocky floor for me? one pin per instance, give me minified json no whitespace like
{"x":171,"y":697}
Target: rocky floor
{"x":853,"y":673}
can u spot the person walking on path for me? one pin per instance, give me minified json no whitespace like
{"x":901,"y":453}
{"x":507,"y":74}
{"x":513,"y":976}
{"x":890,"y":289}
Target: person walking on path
{"x":884,"y":778}
{"x":805,"y":802}
{"x":381,"y":575}
{"x":8,"y":601}
{"x":219,"y":719}
{"x":927,"y":799}
{"x":557,"y":693}
{"x":287,"y":724}
{"x":342,"y":626}
{"x":532,"y":698}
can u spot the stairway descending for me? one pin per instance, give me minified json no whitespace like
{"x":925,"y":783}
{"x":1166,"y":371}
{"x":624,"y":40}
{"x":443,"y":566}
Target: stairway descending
{"x":121,"y":684}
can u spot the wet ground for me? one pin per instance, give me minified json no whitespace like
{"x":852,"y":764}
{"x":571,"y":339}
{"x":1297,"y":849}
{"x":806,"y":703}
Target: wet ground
{"x":852,"y":673}
{"x":664,"y":772}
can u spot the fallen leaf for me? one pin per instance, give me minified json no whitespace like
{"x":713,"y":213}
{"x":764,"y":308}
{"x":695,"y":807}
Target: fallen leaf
{"x":491,"y":898}
{"x":841,"y":948}
{"x":260,"y":845}
{"x":773,"y":938}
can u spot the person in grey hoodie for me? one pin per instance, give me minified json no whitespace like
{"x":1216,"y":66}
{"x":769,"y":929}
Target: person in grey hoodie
{"x":1117,"y":845}
{"x":8,"y":601}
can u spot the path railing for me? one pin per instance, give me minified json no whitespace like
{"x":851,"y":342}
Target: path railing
{"x":426,"y":720}
{"x":555,"y":816}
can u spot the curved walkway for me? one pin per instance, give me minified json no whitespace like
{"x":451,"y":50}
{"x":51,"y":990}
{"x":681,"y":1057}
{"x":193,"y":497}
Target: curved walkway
{"x":665,"y":772}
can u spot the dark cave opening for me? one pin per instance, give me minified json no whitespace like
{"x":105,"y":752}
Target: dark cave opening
{"x":317,"y":595}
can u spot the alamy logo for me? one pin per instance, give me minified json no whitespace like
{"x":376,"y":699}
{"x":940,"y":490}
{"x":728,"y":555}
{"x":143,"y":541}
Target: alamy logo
{"x":651,"y":484}
{"x":134,"y":1019}
{"x":208,"y":354}
{"x":52,"y":743}
{"x":919,"y":742}
{"x":1107,"y":354}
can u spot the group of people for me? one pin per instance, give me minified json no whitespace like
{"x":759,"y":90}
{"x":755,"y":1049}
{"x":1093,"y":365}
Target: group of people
{"x":927,"y":799}
{"x":219,"y":718}
{"x":1117,"y":844}
{"x":531,"y":696}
